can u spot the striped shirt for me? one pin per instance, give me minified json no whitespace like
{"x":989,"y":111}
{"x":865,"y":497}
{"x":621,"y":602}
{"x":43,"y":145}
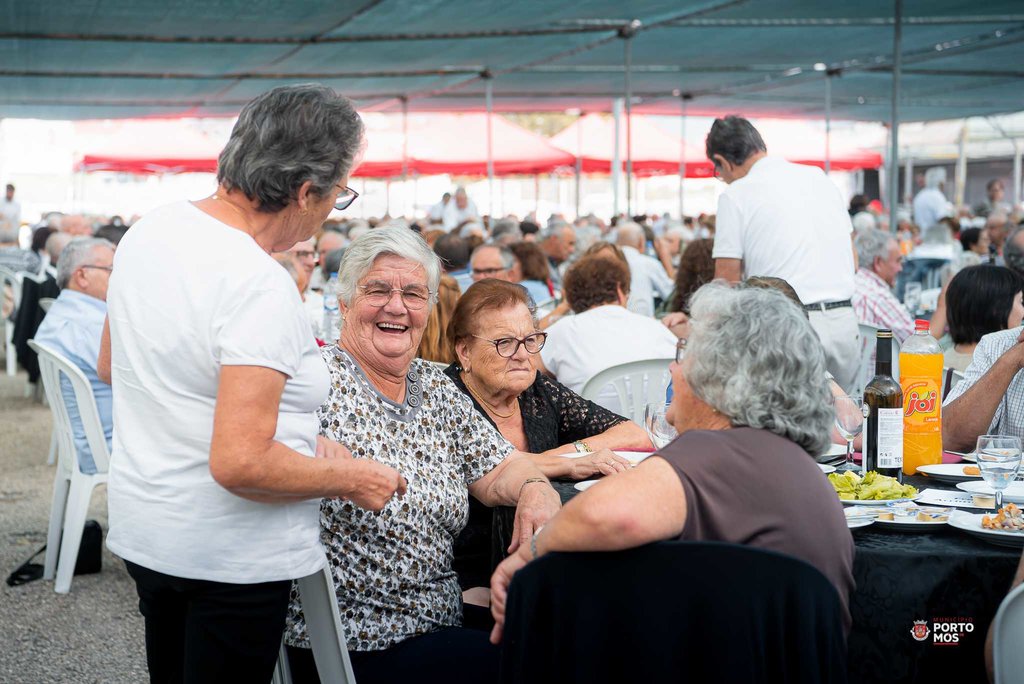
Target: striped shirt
{"x":876,"y":305}
{"x":1009,"y":416}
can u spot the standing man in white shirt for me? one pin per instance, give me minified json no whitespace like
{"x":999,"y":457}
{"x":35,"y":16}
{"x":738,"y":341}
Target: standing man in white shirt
{"x":647,"y":276}
{"x":461,"y":210}
{"x":930,"y":204}
{"x":10,"y":212}
{"x":787,"y":221}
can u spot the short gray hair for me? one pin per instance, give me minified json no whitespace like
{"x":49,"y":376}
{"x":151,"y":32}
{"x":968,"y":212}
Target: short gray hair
{"x":629,"y":234}
{"x":553,"y":229}
{"x":55,"y":244}
{"x":505,"y":231}
{"x":735,"y":139}
{"x":870,"y":244}
{"x":287,"y":136}
{"x":934,"y":177}
{"x":508,"y":259}
{"x":1013,"y":252}
{"x":753,"y":356}
{"x":365,"y":250}
{"x":76,"y":254}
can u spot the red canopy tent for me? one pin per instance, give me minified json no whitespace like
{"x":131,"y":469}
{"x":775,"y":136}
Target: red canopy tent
{"x":656,"y":152}
{"x":438,"y":143}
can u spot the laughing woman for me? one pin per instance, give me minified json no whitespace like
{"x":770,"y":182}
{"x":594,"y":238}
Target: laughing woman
{"x":398,"y":596}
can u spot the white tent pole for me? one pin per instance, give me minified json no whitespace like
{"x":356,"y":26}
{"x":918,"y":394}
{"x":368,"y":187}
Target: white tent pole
{"x":490,"y":144}
{"x":682,"y":154}
{"x":405,"y":153}
{"x":616,"y":157}
{"x":961,"y":168}
{"x":579,"y":159}
{"x":894,"y":121}
{"x":828,"y":123}
{"x":1018,"y":149}
{"x":629,"y":123}
{"x":908,"y":180}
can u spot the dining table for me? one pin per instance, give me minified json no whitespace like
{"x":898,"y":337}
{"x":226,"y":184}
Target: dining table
{"x":941,"y":577}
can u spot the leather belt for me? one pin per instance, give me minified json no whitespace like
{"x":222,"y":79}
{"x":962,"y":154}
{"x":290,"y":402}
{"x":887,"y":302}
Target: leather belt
{"x":827,"y":306}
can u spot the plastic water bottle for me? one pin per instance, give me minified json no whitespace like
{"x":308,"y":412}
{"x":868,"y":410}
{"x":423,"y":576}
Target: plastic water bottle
{"x":331,"y":325}
{"x":921,"y":378}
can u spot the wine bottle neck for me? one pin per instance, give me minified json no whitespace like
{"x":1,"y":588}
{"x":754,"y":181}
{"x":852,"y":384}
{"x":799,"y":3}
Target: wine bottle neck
{"x":883,"y":357}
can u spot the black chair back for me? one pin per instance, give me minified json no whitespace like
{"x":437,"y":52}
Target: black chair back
{"x":673,"y":612}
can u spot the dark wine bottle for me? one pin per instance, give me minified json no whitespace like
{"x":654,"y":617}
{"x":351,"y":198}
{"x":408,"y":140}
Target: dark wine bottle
{"x":883,"y":430}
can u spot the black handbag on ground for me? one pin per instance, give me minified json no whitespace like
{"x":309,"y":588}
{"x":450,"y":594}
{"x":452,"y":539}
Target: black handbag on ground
{"x":90,"y":557}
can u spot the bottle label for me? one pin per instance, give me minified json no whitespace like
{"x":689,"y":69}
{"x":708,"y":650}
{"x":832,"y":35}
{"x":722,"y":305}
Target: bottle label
{"x":890,"y":438}
{"x":921,"y":407}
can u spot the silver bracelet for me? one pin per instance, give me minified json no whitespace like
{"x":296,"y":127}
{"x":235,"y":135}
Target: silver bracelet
{"x":533,"y":542}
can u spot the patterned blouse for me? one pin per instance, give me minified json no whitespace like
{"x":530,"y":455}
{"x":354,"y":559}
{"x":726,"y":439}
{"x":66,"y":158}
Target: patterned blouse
{"x":393,"y":570}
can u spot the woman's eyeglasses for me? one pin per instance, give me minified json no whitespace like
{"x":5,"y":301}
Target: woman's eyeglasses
{"x":378,"y":294}
{"x":508,"y":346}
{"x":680,"y":350}
{"x":345,"y":198}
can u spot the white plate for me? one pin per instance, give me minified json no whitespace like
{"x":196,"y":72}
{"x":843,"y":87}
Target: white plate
{"x":827,"y":468}
{"x":859,"y":522}
{"x":585,"y":485}
{"x":911,"y":525}
{"x":971,"y":524}
{"x":836,"y":450}
{"x":633,"y":457}
{"x":872,"y":502}
{"x":1012,"y":494}
{"x":947,"y":472}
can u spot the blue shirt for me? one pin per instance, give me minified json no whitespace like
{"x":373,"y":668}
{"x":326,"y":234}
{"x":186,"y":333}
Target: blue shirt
{"x":73,"y":327}
{"x":464,"y":278}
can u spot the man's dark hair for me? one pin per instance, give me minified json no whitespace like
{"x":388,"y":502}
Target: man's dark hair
{"x":332,"y":262}
{"x":992,"y":183}
{"x":454,"y":252}
{"x":39,"y":238}
{"x":859,"y":203}
{"x":735,"y":139}
{"x":111,"y":232}
{"x":528,"y":227}
{"x":10,"y":186}
{"x":979,"y":300}
{"x":969,"y":237}
{"x":1013,"y":252}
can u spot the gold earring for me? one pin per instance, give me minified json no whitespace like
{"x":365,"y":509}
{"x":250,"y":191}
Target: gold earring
{"x":303,"y":212}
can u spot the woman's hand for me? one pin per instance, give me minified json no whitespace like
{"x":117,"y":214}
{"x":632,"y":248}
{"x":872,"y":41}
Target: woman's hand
{"x":500,"y":580}
{"x":603,"y":462}
{"x":371,"y":485}
{"x":538,"y":502}
{"x":326,"y":448}
{"x":678,"y":323}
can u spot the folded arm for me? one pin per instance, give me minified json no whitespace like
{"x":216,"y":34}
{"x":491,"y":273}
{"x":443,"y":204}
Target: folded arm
{"x":516,"y":481}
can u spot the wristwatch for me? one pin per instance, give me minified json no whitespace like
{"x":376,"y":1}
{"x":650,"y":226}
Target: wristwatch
{"x":582,"y":447}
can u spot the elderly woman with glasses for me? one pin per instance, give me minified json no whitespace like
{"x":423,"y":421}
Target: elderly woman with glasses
{"x":213,"y":485}
{"x":751,"y":405}
{"x":496,"y":345}
{"x":398,"y":596}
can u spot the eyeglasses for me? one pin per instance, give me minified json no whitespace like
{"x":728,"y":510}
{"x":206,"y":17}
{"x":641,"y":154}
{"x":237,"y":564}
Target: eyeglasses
{"x":345,"y":198}
{"x":488,"y":272}
{"x":108,"y":269}
{"x":680,"y":351}
{"x":508,"y":346}
{"x":414,"y":297}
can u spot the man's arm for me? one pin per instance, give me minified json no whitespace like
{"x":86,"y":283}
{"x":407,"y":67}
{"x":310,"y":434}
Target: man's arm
{"x":103,"y":362}
{"x":970,"y":414}
{"x":730,"y":270}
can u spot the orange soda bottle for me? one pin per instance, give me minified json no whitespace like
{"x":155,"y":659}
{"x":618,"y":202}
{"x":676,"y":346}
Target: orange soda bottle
{"x":921,"y":380}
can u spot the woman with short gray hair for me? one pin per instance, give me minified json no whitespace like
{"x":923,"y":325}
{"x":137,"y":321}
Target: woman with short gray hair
{"x":751,"y":405}
{"x":213,"y":485}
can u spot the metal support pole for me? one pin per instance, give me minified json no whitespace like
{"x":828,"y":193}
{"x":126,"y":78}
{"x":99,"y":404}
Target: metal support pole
{"x":489,"y":81}
{"x":828,"y":123}
{"x":616,"y":156}
{"x":629,"y":124}
{"x":894,"y":119}
{"x":579,"y":160}
{"x":405,"y":154}
{"x":960,"y":175}
{"x":908,"y":180}
{"x":682,"y":154}
{"x":1018,"y":149}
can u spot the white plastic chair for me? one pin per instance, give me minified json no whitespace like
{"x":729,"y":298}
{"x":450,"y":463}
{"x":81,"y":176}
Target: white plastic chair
{"x":326,"y":635}
{"x":45,"y":303}
{"x":1007,"y":655}
{"x":72,"y":489}
{"x":12,"y":280}
{"x":542,"y":309}
{"x":637,"y":384}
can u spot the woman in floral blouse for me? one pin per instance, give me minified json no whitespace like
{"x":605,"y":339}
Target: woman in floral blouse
{"x":398,"y":597}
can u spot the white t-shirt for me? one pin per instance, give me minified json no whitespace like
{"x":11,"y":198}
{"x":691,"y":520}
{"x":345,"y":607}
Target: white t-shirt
{"x":788,"y":221}
{"x":581,"y":346}
{"x":188,"y":295}
{"x":647,"y":279}
{"x":930,"y":205}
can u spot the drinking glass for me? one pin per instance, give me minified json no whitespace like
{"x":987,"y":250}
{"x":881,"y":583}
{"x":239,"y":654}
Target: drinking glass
{"x":658,"y":428}
{"x":850,"y":415}
{"x":912,"y":297}
{"x":999,"y":461}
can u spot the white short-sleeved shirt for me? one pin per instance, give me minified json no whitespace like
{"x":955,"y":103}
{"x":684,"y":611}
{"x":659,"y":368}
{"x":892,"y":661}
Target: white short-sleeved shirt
{"x":788,"y":221}
{"x":930,"y":205}
{"x":189,"y":295}
{"x":647,"y":279}
{"x":581,"y":346}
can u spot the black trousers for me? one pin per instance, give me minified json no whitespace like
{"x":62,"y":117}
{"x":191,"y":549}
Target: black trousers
{"x":453,"y":655}
{"x":199,"y":631}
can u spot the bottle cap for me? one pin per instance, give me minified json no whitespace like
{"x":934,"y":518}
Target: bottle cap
{"x":921,"y":325}
{"x":884,"y":333}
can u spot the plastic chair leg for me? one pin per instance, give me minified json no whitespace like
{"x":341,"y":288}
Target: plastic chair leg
{"x":52,"y":458}
{"x":61,"y":485}
{"x":12,"y":357}
{"x":326,"y":635}
{"x":282,"y":675}
{"x":71,"y":539}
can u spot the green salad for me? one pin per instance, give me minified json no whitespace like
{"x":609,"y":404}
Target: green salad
{"x":872,"y":487}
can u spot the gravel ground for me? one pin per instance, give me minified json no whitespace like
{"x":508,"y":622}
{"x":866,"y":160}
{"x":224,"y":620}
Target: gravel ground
{"x":94,"y":633}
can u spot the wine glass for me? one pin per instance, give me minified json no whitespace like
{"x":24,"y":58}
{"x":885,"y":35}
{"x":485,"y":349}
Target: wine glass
{"x":850,"y":415}
{"x":999,"y":460}
{"x":912,"y":297}
{"x":658,"y":428}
